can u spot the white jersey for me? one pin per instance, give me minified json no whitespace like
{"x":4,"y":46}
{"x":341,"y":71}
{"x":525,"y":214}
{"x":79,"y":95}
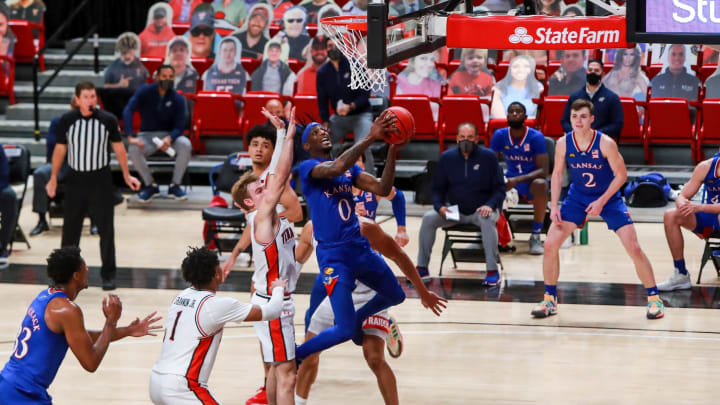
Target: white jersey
{"x":193,"y":332}
{"x":275,"y":258}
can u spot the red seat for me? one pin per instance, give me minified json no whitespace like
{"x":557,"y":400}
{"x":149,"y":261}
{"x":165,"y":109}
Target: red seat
{"x":7,"y":79}
{"x":667,"y":123}
{"x":709,"y":121}
{"x":180,"y":28}
{"x":215,"y":113}
{"x":274,"y":29}
{"x":151,"y":63}
{"x":25,"y":45}
{"x":496,"y":123}
{"x":652,"y":70}
{"x":456,"y":110}
{"x":306,"y":108}
{"x":254,"y":101}
{"x":632,"y":130}
{"x":201,"y":64}
{"x":501,"y":70}
{"x":551,"y":114}
{"x":705,"y":71}
{"x":250,"y":64}
{"x":452,"y":67}
{"x":312,"y":29}
{"x":419,"y":107}
{"x":295,"y":65}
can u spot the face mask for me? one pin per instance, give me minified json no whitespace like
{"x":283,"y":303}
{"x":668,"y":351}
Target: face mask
{"x":166,"y":84}
{"x":516,"y":124}
{"x":593,"y":79}
{"x":334,"y":54}
{"x":467,"y":147}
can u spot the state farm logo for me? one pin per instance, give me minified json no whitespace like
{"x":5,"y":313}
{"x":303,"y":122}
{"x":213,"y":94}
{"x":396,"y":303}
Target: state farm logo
{"x":572,"y":35}
{"x":521,"y":35}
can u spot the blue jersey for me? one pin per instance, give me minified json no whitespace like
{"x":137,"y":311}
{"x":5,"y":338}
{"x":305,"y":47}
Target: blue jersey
{"x":331,"y":204}
{"x":38,"y":350}
{"x":519,"y":155}
{"x":590,"y":172}
{"x":712,"y":182}
{"x":369,"y":201}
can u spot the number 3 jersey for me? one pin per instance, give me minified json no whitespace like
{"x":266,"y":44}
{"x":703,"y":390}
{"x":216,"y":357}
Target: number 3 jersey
{"x":38,"y":350}
{"x":193,"y":332}
{"x":590,"y":171}
{"x":331,"y":204}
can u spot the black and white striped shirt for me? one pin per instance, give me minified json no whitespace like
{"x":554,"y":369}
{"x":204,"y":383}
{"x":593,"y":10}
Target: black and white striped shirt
{"x":88,"y":139}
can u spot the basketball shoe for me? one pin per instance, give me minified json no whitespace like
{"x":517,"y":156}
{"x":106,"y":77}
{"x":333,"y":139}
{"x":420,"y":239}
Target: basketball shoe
{"x":545,"y":308}
{"x":260,"y":398}
{"x":394,"y":339}
{"x":655,"y":308}
{"x":676,"y":281}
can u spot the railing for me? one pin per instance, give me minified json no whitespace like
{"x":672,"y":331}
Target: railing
{"x":96,"y":45}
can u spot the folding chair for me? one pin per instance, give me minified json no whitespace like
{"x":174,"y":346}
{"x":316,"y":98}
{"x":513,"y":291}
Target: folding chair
{"x":712,"y":242}
{"x":19,"y":159}
{"x":468,"y":235}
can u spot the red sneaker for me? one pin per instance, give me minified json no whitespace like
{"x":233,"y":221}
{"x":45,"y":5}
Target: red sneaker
{"x":260,"y":398}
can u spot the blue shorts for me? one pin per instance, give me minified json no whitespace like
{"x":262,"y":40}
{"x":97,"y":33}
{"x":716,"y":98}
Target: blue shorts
{"x":523,"y":190}
{"x":345,"y":262}
{"x":614,"y":213}
{"x":11,"y":395}
{"x":706,"y":224}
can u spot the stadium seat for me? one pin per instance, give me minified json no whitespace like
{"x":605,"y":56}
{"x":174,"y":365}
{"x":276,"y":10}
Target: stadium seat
{"x":274,"y":29}
{"x":306,"y":108}
{"x":25,"y":45}
{"x":632,"y":130}
{"x":500,"y":69}
{"x":214,"y":113}
{"x":250,"y":64}
{"x":419,"y":106}
{"x":457,"y":109}
{"x":254,"y":100}
{"x":705,"y":71}
{"x":312,"y":29}
{"x":151,"y":63}
{"x":652,"y":70}
{"x":180,"y":28}
{"x":452,"y":66}
{"x":668,"y":123}
{"x":7,"y":79}
{"x":295,"y":65}
{"x":201,"y":64}
{"x":709,"y":122}
{"x":552,"y":109}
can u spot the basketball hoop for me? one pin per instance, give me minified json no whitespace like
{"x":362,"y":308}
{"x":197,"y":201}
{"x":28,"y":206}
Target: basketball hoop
{"x":349,"y":35}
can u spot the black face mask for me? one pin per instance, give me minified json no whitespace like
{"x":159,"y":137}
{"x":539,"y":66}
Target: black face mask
{"x":334,"y":54}
{"x":166,"y":84}
{"x":516,"y":124}
{"x":593,"y":79}
{"x":467,"y":147}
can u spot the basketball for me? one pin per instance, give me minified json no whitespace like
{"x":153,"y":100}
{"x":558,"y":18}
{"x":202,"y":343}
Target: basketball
{"x":402,"y":129}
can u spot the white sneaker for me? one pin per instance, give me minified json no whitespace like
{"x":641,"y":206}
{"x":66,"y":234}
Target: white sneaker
{"x":676,"y":281}
{"x":536,"y":245}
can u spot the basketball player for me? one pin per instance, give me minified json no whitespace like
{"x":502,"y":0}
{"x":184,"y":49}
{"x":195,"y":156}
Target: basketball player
{"x":273,"y":242}
{"x":227,"y":74}
{"x":52,"y":323}
{"x":702,"y":219}
{"x":525,"y":154}
{"x":343,"y":254}
{"x":195,"y":327}
{"x":597,"y":171}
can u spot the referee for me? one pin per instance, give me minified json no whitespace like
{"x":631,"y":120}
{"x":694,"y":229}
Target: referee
{"x":83,"y":135}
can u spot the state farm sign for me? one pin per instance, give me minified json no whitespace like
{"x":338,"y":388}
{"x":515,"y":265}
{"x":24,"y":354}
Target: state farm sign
{"x":535,"y":32}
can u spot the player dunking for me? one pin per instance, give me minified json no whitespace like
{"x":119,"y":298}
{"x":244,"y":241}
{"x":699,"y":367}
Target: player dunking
{"x":194,"y":330}
{"x":344,"y":255}
{"x":52,"y":323}
{"x":597,"y":171}
{"x":273,"y":244}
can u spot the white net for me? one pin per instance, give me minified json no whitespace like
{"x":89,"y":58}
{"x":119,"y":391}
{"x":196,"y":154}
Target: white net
{"x":352,"y":43}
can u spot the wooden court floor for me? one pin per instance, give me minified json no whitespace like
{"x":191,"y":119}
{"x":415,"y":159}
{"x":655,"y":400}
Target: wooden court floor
{"x":478,"y":352}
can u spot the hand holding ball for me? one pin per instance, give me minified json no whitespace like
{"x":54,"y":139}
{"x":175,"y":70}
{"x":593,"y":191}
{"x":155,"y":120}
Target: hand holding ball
{"x":403,"y":127}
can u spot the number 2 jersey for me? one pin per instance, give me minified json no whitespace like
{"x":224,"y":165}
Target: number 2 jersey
{"x":590,"y":172}
{"x":193,"y":332}
{"x":38,"y":350}
{"x":331,"y":203}
{"x":519,"y":155}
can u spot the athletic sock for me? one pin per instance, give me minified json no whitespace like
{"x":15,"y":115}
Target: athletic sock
{"x":299,"y":400}
{"x":652,"y":291}
{"x":680,"y":266}
{"x":537,"y":228}
{"x":551,"y":290}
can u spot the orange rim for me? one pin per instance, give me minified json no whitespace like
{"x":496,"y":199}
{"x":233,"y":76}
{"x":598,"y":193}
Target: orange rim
{"x":352,"y":22}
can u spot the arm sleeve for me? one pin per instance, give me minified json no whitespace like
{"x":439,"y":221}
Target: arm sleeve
{"x":272,"y":309}
{"x":322,"y":97}
{"x":439,"y":185}
{"x":179,"y":115}
{"x":113,"y":128}
{"x":498,"y":186}
{"x":306,"y":168}
{"x":129,"y":111}
{"x":61,"y":132}
{"x":280,"y":140}
{"x":217,"y":311}
{"x":567,"y":127}
{"x":398,"y":207}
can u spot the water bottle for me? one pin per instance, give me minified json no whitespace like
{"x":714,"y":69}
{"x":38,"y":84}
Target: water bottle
{"x":584,"y":235}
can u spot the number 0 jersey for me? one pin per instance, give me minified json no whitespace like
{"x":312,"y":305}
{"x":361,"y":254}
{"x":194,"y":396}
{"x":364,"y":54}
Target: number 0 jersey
{"x":590,"y":172}
{"x":274,"y":259}
{"x":38,"y":351}
{"x":331,"y":203}
{"x":193,"y":332}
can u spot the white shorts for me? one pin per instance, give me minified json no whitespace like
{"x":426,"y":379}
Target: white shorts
{"x":277,"y":337}
{"x":171,"y":389}
{"x":376,"y":325}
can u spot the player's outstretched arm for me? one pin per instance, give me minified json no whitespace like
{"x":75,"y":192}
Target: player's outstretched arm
{"x":383,"y":185}
{"x":68,"y":319}
{"x":137,"y":328}
{"x":556,"y":180}
{"x":348,"y":158}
